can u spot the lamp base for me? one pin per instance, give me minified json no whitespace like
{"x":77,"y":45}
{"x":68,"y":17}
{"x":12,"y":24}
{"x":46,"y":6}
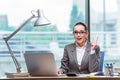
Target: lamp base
{"x":12,"y":75}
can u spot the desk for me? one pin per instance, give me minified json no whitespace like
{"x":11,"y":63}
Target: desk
{"x":62,"y":78}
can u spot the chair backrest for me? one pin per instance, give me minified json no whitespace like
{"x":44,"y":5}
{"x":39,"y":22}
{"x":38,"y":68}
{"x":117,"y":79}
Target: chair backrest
{"x":101,"y":61}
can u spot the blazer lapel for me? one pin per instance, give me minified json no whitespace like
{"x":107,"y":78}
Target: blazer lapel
{"x":73,"y":52}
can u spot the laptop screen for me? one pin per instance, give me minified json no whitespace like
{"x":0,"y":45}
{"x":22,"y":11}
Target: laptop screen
{"x":40,"y":63}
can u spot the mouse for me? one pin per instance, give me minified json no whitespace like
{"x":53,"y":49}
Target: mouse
{"x":71,"y":74}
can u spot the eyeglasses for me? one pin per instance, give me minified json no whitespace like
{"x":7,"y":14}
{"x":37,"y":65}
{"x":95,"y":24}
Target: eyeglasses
{"x":79,"y":32}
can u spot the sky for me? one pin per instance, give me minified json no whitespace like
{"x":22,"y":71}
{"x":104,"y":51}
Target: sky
{"x":55,"y":10}
{"x":97,"y":5}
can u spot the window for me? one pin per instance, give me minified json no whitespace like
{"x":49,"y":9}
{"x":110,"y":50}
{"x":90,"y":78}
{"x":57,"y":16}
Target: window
{"x":63,"y":14}
{"x":105,"y":24}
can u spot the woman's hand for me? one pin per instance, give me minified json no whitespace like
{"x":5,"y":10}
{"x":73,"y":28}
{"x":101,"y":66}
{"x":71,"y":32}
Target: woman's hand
{"x":60,"y":71}
{"x":94,"y":43}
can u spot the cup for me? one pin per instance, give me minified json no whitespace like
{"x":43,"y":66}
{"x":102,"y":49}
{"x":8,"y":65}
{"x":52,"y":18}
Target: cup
{"x":108,"y":70}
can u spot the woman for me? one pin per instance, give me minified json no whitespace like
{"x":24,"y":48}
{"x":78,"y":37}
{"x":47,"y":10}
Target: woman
{"x":81,"y":57}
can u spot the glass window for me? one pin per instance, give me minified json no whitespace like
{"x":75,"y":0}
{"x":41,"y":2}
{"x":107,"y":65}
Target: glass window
{"x":63,"y":14}
{"x":105,"y":24}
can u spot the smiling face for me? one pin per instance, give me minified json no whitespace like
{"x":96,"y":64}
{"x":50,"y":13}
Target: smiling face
{"x":80,"y":34}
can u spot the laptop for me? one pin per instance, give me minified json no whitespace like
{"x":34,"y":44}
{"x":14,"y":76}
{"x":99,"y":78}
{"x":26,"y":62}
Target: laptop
{"x":40,"y":63}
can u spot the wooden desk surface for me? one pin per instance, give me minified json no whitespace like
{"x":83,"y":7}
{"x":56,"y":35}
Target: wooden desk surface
{"x":62,"y":78}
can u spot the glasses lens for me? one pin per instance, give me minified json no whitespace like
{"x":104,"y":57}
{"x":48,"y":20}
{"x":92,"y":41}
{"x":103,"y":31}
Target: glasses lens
{"x":79,"y":32}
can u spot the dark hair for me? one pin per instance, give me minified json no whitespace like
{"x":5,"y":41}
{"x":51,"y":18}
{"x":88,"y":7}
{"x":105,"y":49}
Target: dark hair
{"x":80,"y":23}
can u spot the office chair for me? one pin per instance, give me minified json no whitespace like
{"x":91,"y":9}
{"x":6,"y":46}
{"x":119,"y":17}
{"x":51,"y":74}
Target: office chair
{"x":100,"y":69}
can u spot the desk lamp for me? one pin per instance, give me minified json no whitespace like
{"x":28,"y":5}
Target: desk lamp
{"x":41,"y":21}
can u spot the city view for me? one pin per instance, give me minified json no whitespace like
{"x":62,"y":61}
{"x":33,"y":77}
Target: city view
{"x":104,"y":23}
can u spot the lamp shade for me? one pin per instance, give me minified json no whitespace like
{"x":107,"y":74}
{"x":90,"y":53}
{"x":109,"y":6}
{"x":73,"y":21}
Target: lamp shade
{"x":42,"y":20}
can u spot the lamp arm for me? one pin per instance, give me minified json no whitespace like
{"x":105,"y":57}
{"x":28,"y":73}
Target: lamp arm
{"x":18,"y":67}
{"x":19,"y":28}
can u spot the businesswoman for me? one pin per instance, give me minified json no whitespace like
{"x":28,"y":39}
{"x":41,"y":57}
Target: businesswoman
{"x":81,"y":57}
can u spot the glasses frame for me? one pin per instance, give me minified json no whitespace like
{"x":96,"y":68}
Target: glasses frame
{"x":79,"y":32}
